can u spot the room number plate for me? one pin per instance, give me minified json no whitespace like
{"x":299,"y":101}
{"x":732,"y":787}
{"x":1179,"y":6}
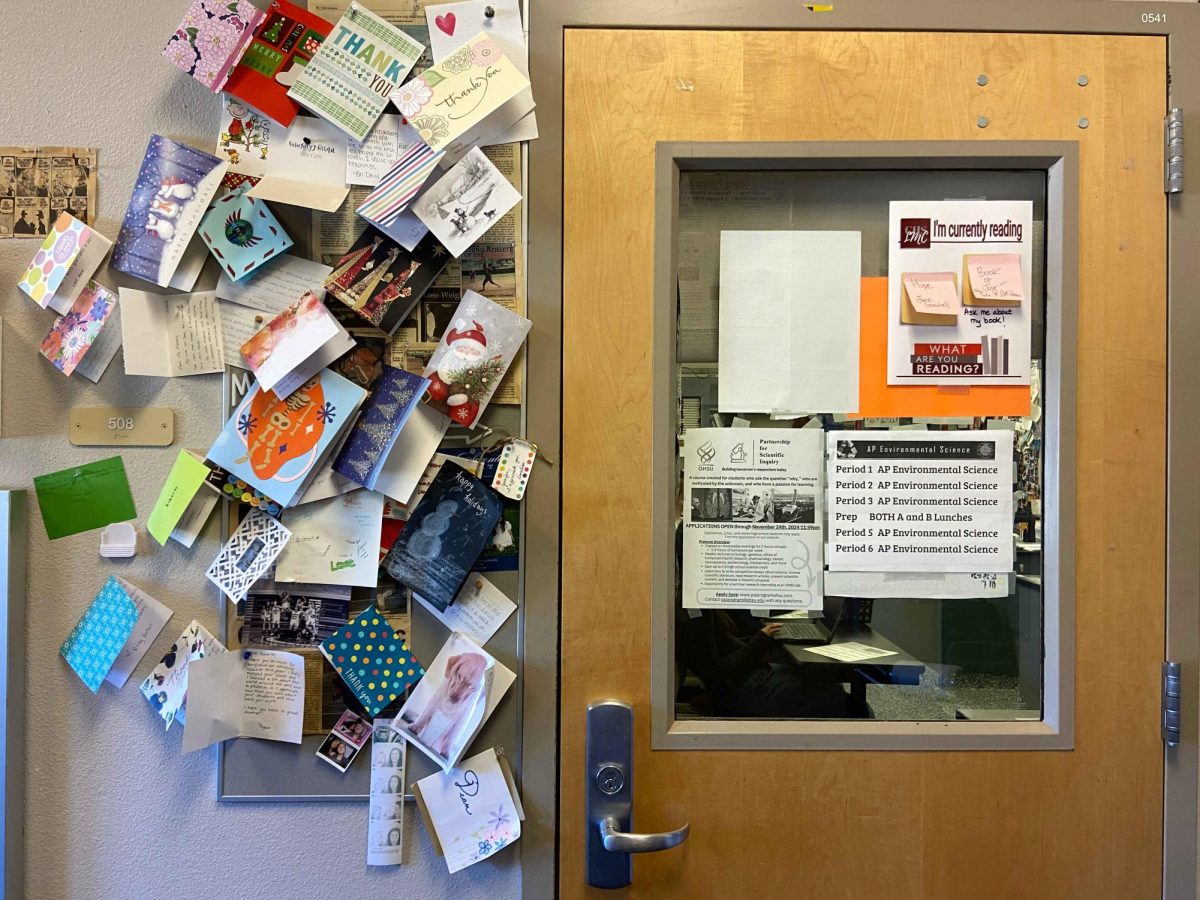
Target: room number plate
{"x":122,"y":426}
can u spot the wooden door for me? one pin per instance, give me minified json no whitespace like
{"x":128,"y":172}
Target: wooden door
{"x":1081,"y":823}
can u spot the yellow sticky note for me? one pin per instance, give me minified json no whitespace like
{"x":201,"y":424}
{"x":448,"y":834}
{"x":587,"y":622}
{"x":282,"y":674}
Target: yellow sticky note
{"x":186,"y":477}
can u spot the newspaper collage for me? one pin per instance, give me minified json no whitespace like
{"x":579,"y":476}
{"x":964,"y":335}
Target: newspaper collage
{"x":38,"y":183}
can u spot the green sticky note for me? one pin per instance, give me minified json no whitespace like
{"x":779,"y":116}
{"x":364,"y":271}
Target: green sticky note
{"x":84,"y":497}
{"x":187,"y":475}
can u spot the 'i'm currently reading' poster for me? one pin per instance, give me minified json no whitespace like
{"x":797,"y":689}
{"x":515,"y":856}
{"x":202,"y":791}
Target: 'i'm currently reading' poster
{"x":960,"y":282}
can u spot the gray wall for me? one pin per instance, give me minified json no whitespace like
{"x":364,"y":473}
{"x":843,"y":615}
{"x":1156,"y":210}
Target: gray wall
{"x":113,"y":809}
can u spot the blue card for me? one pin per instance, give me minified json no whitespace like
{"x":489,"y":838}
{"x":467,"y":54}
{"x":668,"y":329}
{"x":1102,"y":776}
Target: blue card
{"x":374,"y":434}
{"x":94,"y":644}
{"x":372,"y":659}
{"x":242,"y":233}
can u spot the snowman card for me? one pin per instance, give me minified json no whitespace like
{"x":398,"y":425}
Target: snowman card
{"x":464,"y":203}
{"x":472,"y":357}
{"x":172,"y":192}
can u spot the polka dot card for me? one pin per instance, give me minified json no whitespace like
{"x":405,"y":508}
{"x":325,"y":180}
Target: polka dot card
{"x":67,"y":259}
{"x":373,"y":660}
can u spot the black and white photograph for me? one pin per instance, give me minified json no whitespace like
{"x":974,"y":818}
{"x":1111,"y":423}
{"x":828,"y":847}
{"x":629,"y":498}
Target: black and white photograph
{"x":295,"y":615}
{"x":712,"y":505}
{"x":384,"y":835}
{"x":338,"y":752}
{"x":794,"y":506}
{"x":468,"y":200}
{"x":389,"y":757}
{"x":436,"y":313}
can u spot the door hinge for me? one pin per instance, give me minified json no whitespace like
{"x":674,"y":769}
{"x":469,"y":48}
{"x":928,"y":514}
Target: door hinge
{"x":1173,"y":151}
{"x":1171,"y":705}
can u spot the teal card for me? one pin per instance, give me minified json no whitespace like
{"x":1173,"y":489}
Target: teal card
{"x":84,"y":497}
{"x":94,"y":645}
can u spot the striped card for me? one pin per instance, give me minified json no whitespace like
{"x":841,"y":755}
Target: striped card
{"x":398,"y":187}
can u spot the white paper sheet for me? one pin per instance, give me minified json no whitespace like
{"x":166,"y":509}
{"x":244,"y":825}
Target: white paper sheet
{"x":334,"y":541}
{"x":368,"y":161}
{"x":171,"y":336}
{"x":478,"y":611}
{"x":307,"y":167}
{"x":152,"y":616}
{"x":850,"y":652}
{"x":414,"y":448}
{"x":903,"y":585}
{"x":247,"y":693}
{"x":275,"y":285}
{"x":789,"y":317}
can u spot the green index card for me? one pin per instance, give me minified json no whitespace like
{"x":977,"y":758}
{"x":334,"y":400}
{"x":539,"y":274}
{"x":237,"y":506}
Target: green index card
{"x":84,"y":497}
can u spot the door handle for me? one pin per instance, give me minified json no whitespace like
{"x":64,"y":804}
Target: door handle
{"x":609,"y":775}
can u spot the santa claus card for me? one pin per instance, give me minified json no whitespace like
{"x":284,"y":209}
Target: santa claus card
{"x":472,"y":357}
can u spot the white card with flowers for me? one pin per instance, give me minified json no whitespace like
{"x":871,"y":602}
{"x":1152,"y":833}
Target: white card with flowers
{"x":473,"y":355}
{"x":473,"y":810}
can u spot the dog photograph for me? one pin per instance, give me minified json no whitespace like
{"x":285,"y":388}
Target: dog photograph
{"x":446,"y":707}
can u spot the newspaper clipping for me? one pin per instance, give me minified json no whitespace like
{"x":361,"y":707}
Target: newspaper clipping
{"x":38,"y":183}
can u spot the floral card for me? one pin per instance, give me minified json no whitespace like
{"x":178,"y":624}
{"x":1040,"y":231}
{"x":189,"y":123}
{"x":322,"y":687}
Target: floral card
{"x":242,"y":233}
{"x":211,"y":39}
{"x":63,"y":265}
{"x":473,"y":811}
{"x":74,"y":332}
{"x":472,"y":357}
{"x":474,"y":92}
{"x":350,"y":77}
{"x":282,"y":46}
{"x":171,"y":194}
{"x":463,"y":204}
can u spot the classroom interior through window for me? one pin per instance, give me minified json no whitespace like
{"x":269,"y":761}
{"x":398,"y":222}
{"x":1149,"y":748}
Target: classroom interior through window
{"x":859,"y":444}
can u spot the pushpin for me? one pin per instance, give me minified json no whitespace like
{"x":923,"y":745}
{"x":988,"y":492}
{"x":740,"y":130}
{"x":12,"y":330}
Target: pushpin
{"x":489,"y":12}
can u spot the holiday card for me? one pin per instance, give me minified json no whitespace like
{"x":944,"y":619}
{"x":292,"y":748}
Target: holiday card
{"x":282,"y":46}
{"x":334,"y":541}
{"x":406,"y":464}
{"x":453,"y":24}
{"x":73,"y":333}
{"x":398,"y":185}
{"x":474,"y":93}
{"x":382,"y":281}
{"x":242,"y":233}
{"x":171,"y":336}
{"x":250,"y":693}
{"x":173,"y":189}
{"x":472,"y":357}
{"x":295,"y":345}
{"x":460,"y":690}
{"x":211,"y":39}
{"x":465,"y":202}
{"x":244,"y":137}
{"x":279,"y":446}
{"x":274,"y":287}
{"x":373,"y":660}
{"x":247,"y":555}
{"x":349,"y":78}
{"x":95,"y":643}
{"x":472,"y":811}
{"x":478,"y":611}
{"x":306,"y":167}
{"x":374,"y":434}
{"x":166,"y":687}
{"x":444,"y":536}
{"x":185,"y":501}
{"x":64,"y":264}
{"x":989,"y":245}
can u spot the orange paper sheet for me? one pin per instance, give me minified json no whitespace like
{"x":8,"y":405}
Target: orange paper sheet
{"x":876,"y":398}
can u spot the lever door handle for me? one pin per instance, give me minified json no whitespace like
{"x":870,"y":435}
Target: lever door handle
{"x":626,"y":842}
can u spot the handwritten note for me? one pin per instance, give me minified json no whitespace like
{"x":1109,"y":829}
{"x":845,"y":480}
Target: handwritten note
{"x":84,"y":497}
{"x":250,"y":693}
{"x":273,"y":701}
{"x":171,"y":336}
{"x":478,"y":611}
{"x":334,"y":541}
{"x":369,"y":160}
{"x":152,"y":616}
{"x":996,"y":277}
{"x":932,"y":292}
{"x":276,"y":285}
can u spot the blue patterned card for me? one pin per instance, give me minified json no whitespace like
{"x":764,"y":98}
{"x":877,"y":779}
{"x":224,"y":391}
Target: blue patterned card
{"x":242,"y":234}
{"x":375,"y":432}
{"x":373,"y":660}
{"x":94,"y":644}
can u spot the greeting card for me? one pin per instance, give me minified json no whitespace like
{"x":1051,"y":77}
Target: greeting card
{"x":166,"y":686}
{"x":151,"y":619}
{"x":173,"y":189}
{"x":280,"y":49}
{"x":295,"y":345}
{"x":372,"y":659}
{"x":307,"y":167}
{"x":63,"y":265}
{"x":244,"y":137}
{"x":185,"y":501}
{"x":173,"y":336}
{"x":444,"y":536}
{"x":251,"y":693}
{"x":382,"y":281}
{"x":211,"y":39}
{"x":242,"y":233}
{"x":84,"y":497}
{"x":274,"y":287}
{"x":473,"y":811}
{"x":74,"y":333}
{"x":349,"y":78}
{"x":929,"y":298}
{"x":280,"y":445}
{"x":95,"y":643}
{"x":334,"y":541}
{"x":472,"y":357}
{"x":368,"y":160}
{"x":400,"y":474}
{"x":396,"y":189}
{"x":247,"y":555}
{"x":445,"y":711}
{"x":374,"y":434}
{"x":465,"y":202}
{"x":473,"y":93}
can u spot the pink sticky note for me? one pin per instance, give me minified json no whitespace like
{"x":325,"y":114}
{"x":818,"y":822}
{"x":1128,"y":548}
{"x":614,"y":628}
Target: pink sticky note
{"x":997,"y":277}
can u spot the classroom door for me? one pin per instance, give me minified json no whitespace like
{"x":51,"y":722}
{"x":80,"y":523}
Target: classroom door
{"x":1079,"y":823}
